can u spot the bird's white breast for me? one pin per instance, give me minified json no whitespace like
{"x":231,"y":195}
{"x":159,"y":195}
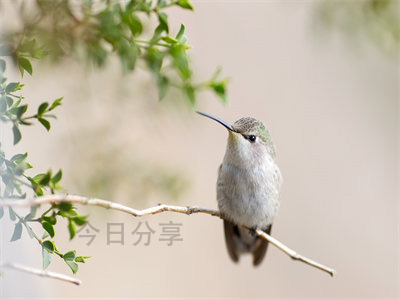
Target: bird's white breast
{"x":249,"y":196}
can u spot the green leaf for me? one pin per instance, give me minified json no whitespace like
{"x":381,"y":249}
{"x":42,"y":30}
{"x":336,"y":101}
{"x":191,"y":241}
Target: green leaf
{"x":10,"y":101}
{"x":51,"y":219}
{"x":17,"y":103}
{"x":70,"y":255}
{"x":157,"y":33}
{"x":185,"y":4}
{"x":25,"y":165}
{"x":49,"y":245}
{"x":169,"y":40}
{"x":45,"y":123}
{"x":50,"y":116}
{"x":24,"y":64}
{"x":74,"y":267}
{"x":42,"y":108}
{"x":56,"y":103}
{"x":81,"y":259}
{"x":21,"y":110}
{"x":128,"y":53}
{"x":190,"y":92}
{"x":46,"y":258}
{"x":23,"y":122}
{"x":68,"y":214}
{"x":71,"y":229}
{"x":133,"y":23}
{"x":220,"y":89}
{"x":178,"y":53}
{"x":57,"y":177}
{"x":42,"y":178}
{"x":11,"y":87}
{"x":18,"y":158}
{"x":13,"y":217}
{"x":17,"y":134}
{"x":17,"y":232}
{"x":163,"y":19}
{"x":49,"y":228}
{"x":80,"y":220}
{"x":154,"y":59}
{"x":65,"y":206}
{"x":181,"y":32}
{"x":163,"y":84}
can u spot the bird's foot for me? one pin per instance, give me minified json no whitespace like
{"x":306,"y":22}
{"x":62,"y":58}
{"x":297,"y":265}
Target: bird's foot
{"x":253,"y":230}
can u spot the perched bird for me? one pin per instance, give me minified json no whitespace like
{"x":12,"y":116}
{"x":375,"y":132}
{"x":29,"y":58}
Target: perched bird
{"x":248,"y":187}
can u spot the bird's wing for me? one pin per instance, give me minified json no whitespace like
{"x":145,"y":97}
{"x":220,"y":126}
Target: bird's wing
{"x":230,"y":229}
{"x":231,"y":244}
{"x":261,"y":249}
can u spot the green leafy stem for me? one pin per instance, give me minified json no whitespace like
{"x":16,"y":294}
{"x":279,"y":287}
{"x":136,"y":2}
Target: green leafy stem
{"x":52,"y":29}
{"x":115,"y":28}
{"x":15,"y":180}
{"x":65,"y":210}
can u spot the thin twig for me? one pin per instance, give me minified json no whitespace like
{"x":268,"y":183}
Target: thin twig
{"x":41,"y":273}
{"x":50,"y":199}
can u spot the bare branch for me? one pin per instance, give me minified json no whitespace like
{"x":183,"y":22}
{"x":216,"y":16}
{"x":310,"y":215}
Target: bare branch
{"x":41,"y":273}
{"x":294,"y":255}
{"x":50,"y":199}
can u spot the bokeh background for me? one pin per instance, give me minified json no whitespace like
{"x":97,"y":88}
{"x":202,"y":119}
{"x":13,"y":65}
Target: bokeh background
{"x":330,"y":97}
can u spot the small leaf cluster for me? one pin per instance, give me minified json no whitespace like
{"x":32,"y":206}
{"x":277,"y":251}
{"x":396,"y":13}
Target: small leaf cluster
{"x":95,"y":30}
{"x":11,"y":172}
{"x":48,"y":220}
{"x":12,"y":108}
{"x":70,"y":257}
{"x":15,"y":182}
{"x":374,"y":21}
{"x":28,"y":49}
{"x":44,"y":181}
{"x":67,"y":211}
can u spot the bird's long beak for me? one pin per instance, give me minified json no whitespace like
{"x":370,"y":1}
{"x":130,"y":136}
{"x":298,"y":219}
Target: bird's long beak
{"x":222,"y":122}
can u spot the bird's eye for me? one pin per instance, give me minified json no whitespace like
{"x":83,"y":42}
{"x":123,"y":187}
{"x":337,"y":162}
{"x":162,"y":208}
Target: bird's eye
{"x":252,"y":138}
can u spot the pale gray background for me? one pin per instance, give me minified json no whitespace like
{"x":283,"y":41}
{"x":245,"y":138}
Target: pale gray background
{"x":332,"y":110}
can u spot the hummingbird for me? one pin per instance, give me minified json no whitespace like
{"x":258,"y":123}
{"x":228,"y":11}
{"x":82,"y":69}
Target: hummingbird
{"x":248,"y":187}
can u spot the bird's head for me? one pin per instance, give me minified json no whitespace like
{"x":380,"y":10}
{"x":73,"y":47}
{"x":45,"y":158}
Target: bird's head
{"x":249,"y":142}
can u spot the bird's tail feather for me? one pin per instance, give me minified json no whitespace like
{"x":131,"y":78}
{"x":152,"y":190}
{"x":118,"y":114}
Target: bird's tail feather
{"x":240,"y":240}
{"x":261,"y":249}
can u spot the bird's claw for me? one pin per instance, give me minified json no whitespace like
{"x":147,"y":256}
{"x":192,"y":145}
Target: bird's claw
{"x":253,"y":230}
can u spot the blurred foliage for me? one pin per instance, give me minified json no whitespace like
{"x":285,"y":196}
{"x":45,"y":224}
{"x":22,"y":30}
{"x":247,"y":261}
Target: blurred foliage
{"x":115,"y":172}
{"x":378,"y":21}
{"x":90,"y":31}
{"x":93,"y":30}
{"x":144,"y":180}
{"x":15,"y":182}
